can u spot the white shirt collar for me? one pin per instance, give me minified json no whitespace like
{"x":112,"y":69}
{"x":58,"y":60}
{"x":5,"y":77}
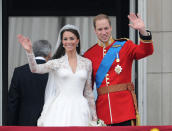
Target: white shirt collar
{"x":40,"y":58}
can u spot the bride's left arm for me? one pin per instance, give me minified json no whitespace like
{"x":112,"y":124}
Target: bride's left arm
{"x":88,"y":93}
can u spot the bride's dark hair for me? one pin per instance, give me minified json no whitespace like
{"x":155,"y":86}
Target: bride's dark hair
{"x":60,"y":50}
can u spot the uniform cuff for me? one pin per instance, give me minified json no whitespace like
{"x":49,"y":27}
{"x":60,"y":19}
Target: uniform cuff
{"x":147,"y":38}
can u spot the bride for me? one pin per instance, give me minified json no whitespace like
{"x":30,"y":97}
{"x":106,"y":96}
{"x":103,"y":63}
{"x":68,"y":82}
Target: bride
{"x":69,"y":99}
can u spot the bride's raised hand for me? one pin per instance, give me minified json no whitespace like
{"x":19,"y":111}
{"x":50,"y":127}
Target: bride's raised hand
{"x":25,"y":42}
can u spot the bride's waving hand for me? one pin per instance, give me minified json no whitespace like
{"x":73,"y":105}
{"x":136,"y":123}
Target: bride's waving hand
{"x":34,"y":67}
{"x":25,"y":42}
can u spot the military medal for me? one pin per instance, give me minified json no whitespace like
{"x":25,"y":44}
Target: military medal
{"x":118,"y":68}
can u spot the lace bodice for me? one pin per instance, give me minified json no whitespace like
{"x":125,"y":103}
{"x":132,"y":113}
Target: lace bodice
{"x":59,"y":68}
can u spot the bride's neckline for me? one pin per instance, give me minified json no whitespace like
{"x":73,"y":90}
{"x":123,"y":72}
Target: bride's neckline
{"x":75,"y":69}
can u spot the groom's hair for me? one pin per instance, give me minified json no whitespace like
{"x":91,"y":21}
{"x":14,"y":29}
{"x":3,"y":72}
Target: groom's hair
{"x":100,"y":17}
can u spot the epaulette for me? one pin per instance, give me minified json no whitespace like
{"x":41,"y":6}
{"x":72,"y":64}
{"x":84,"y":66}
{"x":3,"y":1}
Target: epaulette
{"x":122,"y":39}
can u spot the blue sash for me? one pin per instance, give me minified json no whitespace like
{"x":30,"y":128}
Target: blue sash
{"x":107,"y":61}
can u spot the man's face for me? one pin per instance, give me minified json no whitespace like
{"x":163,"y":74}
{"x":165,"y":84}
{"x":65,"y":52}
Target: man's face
{"x":103,"y":30}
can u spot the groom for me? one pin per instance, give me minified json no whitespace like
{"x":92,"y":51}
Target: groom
{"x":112,"y":66}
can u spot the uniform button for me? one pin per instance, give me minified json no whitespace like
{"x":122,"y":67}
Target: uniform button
{"x":107,"y":83}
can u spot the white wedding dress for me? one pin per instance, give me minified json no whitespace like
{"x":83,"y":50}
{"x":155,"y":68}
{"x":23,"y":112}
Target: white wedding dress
{"x":69,"y":99}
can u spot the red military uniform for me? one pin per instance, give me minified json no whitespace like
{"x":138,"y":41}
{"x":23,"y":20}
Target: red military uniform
{"x":117,"y":107}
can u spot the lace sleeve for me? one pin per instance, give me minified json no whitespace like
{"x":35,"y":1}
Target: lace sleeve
{"x":39,"y":68}
{"x":88,"y":93}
